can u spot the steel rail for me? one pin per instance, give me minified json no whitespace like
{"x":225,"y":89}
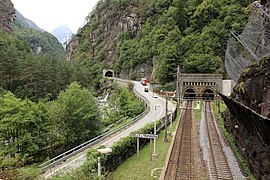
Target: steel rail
{"x":179,"y":163}
{"x":219,"y":166}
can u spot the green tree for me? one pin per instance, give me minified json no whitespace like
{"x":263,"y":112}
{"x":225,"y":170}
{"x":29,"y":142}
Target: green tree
{"x":169,"y":56}
{"x":204,"y":14}
{"x":12,"y":52}
{"x":23,"y":127}
{"x":200,"y":63}
{"x":75,"y":115}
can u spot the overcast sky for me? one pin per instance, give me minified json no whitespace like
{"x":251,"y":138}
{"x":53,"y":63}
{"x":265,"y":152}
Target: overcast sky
{"x":50,"y":14}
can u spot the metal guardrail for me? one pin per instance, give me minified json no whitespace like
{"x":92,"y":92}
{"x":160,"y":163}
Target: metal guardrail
{"x":64,"y":156}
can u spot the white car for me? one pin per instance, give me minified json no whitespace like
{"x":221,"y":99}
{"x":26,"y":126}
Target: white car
{"x":154,"y":96}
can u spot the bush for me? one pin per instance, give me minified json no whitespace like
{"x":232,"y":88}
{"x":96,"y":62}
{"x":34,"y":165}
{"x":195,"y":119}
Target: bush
{"x":29,"y":173}
{"x":121,"y":150}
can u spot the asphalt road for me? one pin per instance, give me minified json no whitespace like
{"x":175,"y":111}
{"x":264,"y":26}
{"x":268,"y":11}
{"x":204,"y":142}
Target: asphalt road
{"x":160,"y":104}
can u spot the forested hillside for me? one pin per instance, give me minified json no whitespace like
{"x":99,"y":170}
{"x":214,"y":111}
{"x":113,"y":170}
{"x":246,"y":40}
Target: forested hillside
{"x":40,"y":41}
{"x":37,"y":77}
{"x":37,"y":92}
{"x":47,"y":104}
{"x":151,"y":37}
{"x":26,"y":22}
{"x":43,"y":98}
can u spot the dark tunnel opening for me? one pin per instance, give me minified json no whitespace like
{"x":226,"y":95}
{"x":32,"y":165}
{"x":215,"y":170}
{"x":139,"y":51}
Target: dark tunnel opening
{"x":208,"y":94}
{"x":109,"y":74}
{"x":189,"y":94}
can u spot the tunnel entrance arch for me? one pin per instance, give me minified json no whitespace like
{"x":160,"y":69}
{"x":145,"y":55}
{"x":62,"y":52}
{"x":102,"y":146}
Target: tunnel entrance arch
{"x":202,"y":85}
{"x":108,"y":73}
{"x":208,"y":94}
{"x":190,"y":94}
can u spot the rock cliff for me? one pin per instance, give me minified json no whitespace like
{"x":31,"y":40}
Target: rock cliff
{"x":253,"y":90}
{"x":254,"y":87}
{"x":7,"y":15}
{"x":104,"y":29}
{"x":149,"y":38}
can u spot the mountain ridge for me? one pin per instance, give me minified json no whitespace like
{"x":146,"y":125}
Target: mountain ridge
{"x":26,"y":22}
{"x":63,"y":34}
{"x":40,"y":41}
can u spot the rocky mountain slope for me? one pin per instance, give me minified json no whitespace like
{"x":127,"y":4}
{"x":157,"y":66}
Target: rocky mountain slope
{"x":7,"y":15}
{"x":26,"y":22}
{"x":253,"y":91}
{"x":149,"y":38}
{"x":40,"y":41}
{"x":101,"y":38}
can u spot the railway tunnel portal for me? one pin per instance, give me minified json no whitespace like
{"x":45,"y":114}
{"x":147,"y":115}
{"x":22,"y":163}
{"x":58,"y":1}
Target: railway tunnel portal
{"x":200,"y":86}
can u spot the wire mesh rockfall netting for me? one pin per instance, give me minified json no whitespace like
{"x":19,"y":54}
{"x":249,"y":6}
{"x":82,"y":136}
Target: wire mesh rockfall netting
{"x":252,"y":44}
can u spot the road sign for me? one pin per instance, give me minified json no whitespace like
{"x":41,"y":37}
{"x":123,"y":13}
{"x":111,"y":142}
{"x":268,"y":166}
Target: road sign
{"x":147,"y":136}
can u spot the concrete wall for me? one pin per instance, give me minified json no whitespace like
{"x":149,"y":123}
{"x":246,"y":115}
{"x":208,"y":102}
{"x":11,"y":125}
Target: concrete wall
{"x":227,"y":87}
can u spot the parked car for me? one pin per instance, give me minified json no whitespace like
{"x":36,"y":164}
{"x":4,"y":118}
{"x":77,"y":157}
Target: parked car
{"x":154,"y":96}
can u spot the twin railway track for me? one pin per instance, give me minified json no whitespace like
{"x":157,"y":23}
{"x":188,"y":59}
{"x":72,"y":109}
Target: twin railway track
{"x":180,"y":164}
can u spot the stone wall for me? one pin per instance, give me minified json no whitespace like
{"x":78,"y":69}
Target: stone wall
{"x":200,"y":82}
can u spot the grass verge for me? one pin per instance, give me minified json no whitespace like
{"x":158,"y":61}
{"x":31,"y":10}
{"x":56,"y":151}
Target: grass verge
{"x":140,"y":167}
{"x":197,"y":112}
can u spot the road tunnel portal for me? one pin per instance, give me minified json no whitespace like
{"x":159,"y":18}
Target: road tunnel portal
{"x":108,"y":73}
{"x":200,"y":86}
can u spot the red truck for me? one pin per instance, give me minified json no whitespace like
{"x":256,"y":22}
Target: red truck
{"x":144,"y":81}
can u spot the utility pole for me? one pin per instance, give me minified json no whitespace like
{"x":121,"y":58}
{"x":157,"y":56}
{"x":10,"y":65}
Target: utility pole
{"x":177,"y":85}
{"x":155,"y":130}
{"x":178,"y":88}
{"x":99,"y":167}
{"x":166,"y":120}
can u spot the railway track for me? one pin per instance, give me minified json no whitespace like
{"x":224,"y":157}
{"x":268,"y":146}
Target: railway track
{"x":179,"y":166}
{"x":219,"y":168}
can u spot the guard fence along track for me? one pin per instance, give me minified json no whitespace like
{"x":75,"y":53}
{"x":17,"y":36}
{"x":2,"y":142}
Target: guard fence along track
{"x":179,"y":165}
{"x":219,"y":168}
